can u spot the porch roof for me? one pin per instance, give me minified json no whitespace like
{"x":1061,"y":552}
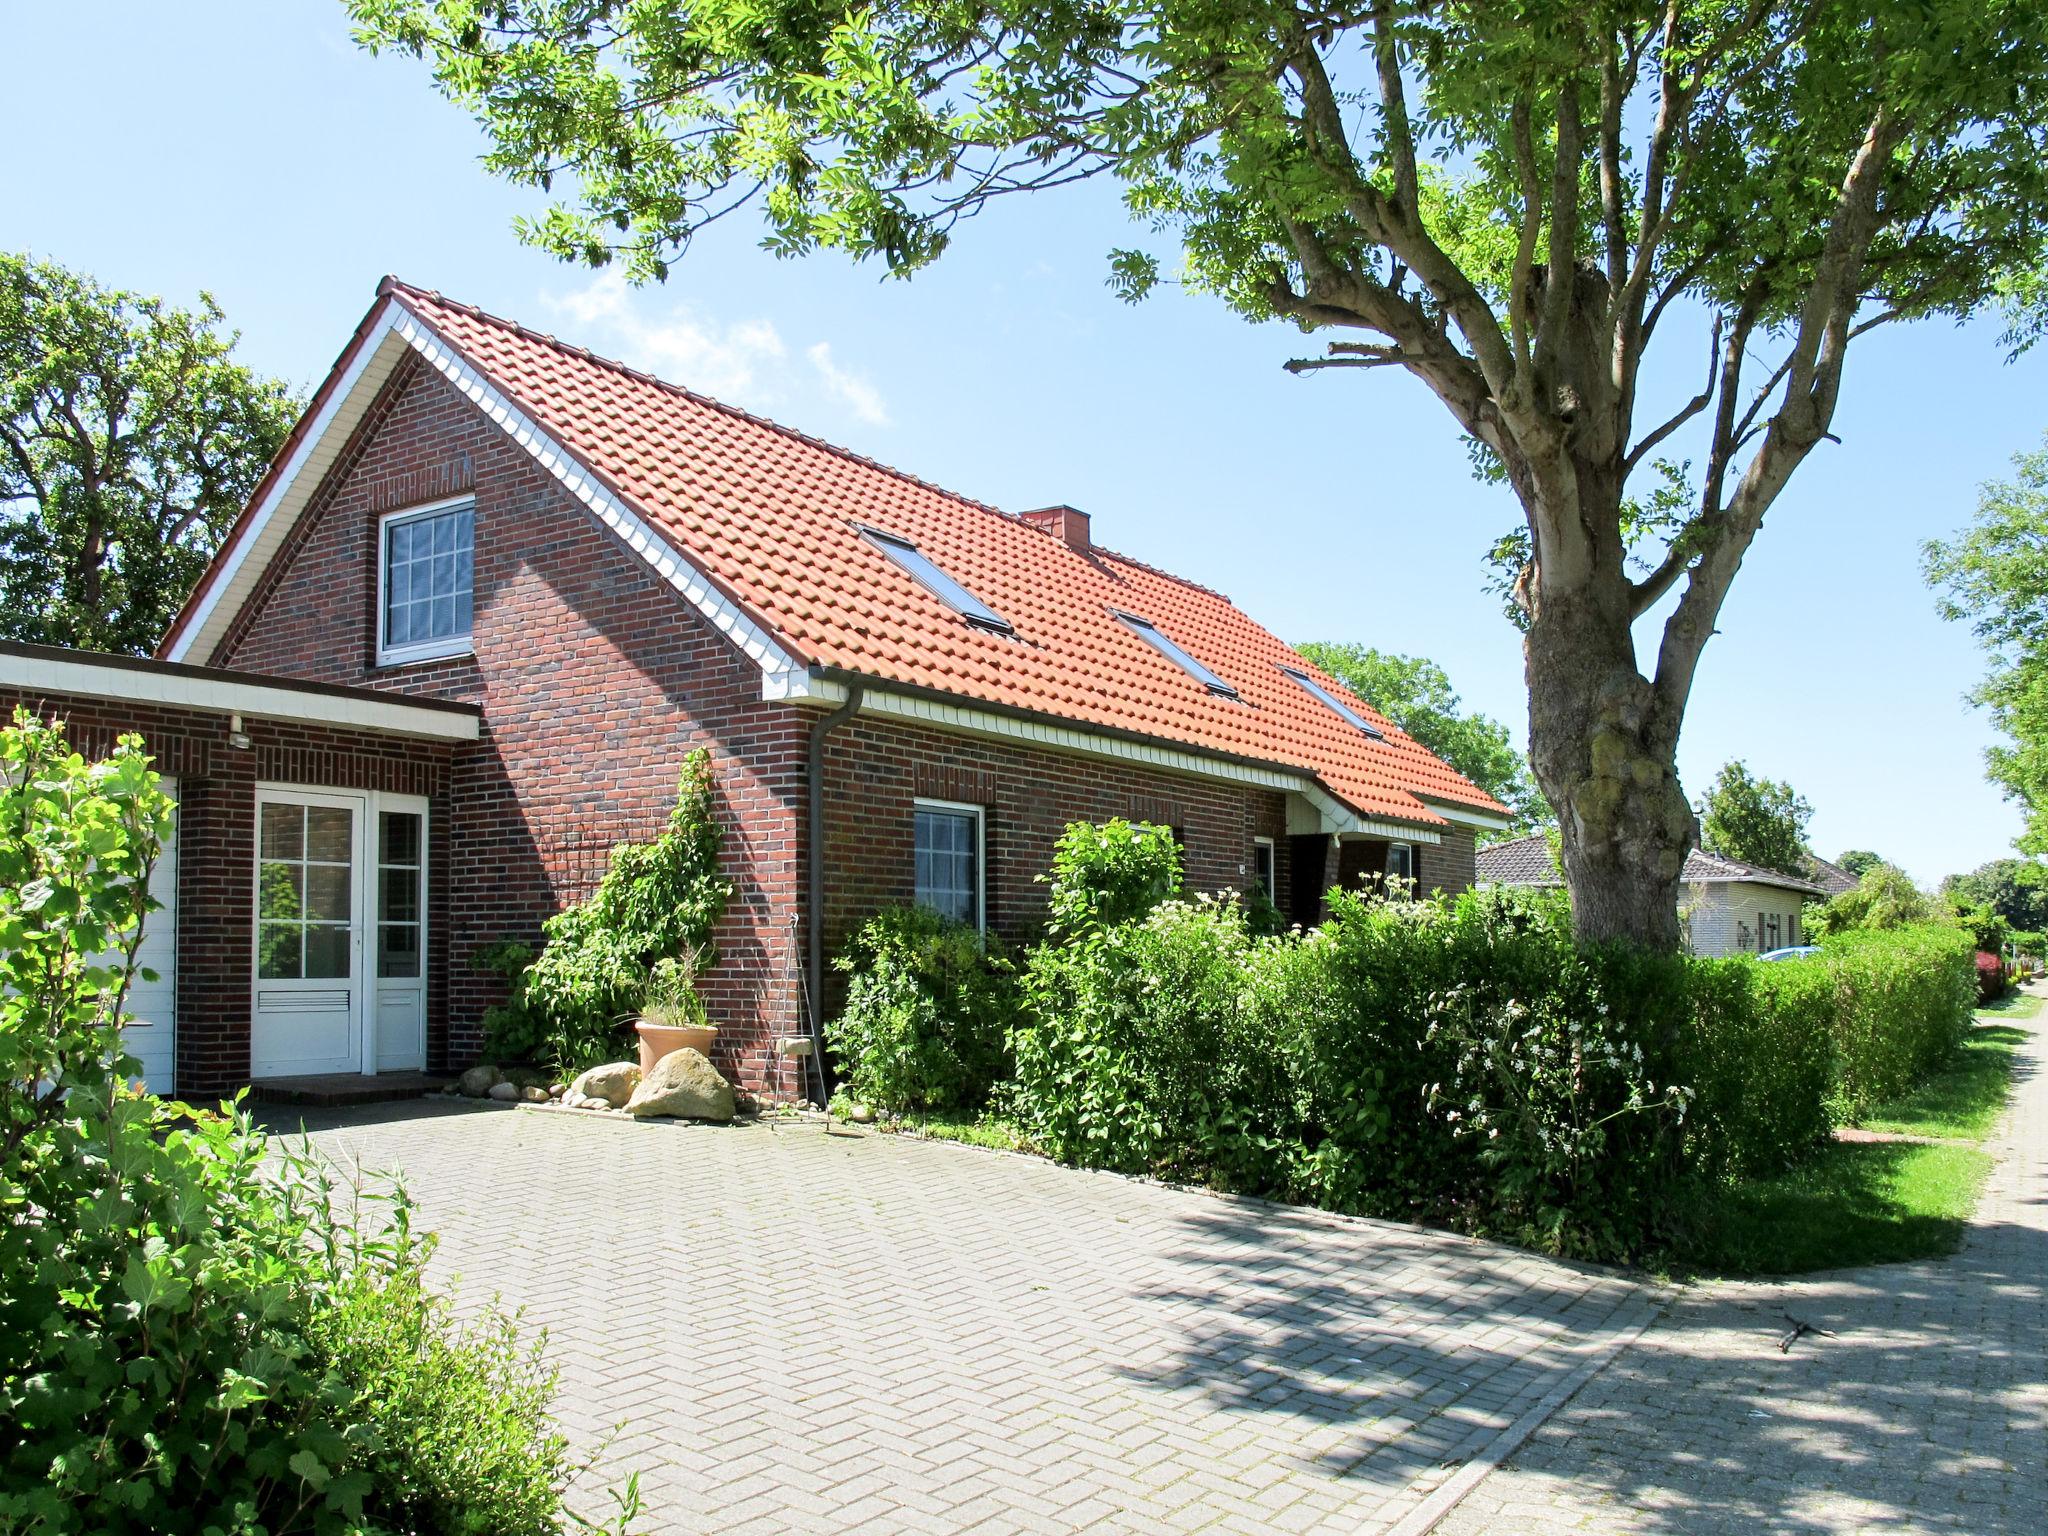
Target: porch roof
{"x":49,"y":669}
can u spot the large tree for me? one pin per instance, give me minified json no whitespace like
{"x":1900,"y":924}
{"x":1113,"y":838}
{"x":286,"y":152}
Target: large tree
{"x":1416,"y":694}
{"x":2016,"y":889}
{"x":1995,"y":575}
{"x":1513,"y":203}
{"x":129,"y":439}
{"x":1760,"y":821}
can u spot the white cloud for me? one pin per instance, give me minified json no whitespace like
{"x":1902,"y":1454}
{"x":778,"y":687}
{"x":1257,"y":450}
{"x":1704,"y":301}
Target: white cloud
{"x":857,"y":392}
{"x":743,"y":362}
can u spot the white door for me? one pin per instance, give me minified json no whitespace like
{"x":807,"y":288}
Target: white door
{"x":401,"y":985}
{"x":309,"y":1012}
{"x":151,"y":1035}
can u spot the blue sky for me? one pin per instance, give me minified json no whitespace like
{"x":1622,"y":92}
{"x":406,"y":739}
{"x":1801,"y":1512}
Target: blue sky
{"x":259,"y":154}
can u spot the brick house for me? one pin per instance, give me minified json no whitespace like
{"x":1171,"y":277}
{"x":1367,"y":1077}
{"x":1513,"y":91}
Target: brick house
{"x":495,"y":587}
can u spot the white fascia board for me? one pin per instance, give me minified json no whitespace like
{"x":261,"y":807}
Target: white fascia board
{"x":232,"y":696}
{"x":1467,"y":815}
{"x":1392,"y":831}
{"x":1330,"y":814}
{"x":395,"y":329}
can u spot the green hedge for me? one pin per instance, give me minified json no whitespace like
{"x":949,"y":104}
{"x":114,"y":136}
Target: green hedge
{"x":1903,"y":1003}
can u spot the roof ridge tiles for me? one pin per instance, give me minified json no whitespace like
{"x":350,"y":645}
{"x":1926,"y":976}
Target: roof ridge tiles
{"x":712,"y":402}
{"x":1165,"y":575}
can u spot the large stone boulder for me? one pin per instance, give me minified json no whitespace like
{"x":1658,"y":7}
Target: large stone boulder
{"x":685,"y":1086}
{"x":613,"y":1082}
{"x":506,"y":1092}
{"x":478,"y":1081}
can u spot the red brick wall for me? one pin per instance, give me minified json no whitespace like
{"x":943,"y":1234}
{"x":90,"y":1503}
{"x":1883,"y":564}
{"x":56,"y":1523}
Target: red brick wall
{"x":875,"y":768}
{"x":217,"y":851}
{"x":595,"y":678}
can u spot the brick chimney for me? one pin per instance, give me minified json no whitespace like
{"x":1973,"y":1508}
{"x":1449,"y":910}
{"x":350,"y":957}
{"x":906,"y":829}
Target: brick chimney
{"x":1067,"y":524}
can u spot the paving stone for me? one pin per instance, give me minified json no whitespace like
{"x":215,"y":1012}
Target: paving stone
{"x":802,"y":1332}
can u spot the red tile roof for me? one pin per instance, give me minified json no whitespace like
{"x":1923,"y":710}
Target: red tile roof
{"x":773,"y":517}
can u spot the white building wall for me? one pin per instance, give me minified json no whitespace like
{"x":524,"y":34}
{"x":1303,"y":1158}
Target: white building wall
{"x":1721,"y":916}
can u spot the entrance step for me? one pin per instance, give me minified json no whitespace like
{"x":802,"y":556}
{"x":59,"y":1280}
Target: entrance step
{"x":334,"y":1089}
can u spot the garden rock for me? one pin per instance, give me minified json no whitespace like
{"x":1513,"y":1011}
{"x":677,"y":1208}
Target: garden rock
{"x":504,"y":1093}
{"x":478,"y":1081}
{"x":613,"y":1083}
{"x":685,"y":1086}
{"x":533,"y":1095}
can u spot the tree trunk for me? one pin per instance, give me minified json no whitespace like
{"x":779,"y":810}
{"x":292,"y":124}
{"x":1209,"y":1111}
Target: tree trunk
{"x":1607,"y":760}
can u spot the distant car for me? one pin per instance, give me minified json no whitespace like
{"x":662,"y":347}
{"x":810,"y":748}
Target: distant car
{"x":1796,"y":952}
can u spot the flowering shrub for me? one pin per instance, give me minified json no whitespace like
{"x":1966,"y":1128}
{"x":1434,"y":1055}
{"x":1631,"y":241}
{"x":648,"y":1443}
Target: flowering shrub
{"x":929,"y":1004}
{"x":1990,"y":977}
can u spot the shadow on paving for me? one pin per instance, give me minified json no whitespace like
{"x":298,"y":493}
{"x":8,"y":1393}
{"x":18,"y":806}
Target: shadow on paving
{"x":1394,"y":1374}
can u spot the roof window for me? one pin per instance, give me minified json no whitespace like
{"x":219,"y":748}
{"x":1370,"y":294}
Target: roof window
{"x":1336,"y":704}
{"x":937,"y":582}
{"x":1150,"y":633}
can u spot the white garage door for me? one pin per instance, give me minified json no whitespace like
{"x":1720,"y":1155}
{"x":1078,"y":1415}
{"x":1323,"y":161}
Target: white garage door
{"x":152,"y":1005}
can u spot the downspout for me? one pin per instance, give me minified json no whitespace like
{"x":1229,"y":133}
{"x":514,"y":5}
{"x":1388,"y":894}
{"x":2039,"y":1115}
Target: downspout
{"x":815,"y":929}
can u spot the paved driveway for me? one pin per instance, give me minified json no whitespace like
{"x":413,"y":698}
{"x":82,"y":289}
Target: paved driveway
{"x":812,"y":1332}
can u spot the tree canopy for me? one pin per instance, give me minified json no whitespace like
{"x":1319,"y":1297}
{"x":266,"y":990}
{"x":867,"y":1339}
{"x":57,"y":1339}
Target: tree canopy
{"x":1511,"y":204}
{"x":1759,"y":821}
{"x":2015,"y":889}
{"x":1416,"y":694}
{"x":129,"y":439}
{"x":1994,"y":576}
{"x":1861,"y":861}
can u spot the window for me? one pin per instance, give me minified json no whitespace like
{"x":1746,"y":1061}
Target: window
{"x":1262,"y":866}
{"x":424,"y":582}
{"x":399,"y":858}
{"x":941,"y":586}
{"x":1400,"y":861}
{"x":1149,"y":632}
{"x":1337,"y":705}
{"x":305,"y":901}
{"x":1767,"y":931}
{"x":948,"y":842}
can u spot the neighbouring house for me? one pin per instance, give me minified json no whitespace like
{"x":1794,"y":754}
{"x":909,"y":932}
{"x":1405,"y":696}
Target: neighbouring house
{"x":1728,"y":907}
{"x":1832,"y":879}
{"x":495,"y":587}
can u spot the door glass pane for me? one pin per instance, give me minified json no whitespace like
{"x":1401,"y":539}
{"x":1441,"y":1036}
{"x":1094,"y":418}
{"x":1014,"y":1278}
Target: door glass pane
{"x":326,"y":951}
{"x":277,"y":952}
{"x":398,"y":838}
{"x":329,"y":833}
{"x":398,"y":949}
{"x":398,"y":896}
{"x":327,"y":892}
{"x":284,"y":831}
{"x":281,"y":892}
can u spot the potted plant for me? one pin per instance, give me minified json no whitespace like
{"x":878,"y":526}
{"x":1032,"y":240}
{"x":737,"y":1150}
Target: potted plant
{"x":672,"y":1015}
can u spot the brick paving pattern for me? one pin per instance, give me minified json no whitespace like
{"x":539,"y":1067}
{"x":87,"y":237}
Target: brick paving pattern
{"x":1928,"y":1410}
{"x":808,"y":1332}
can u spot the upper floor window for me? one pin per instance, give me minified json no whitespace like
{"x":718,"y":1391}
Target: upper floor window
{"x":1336,"y":705}
{"x":424,"y":581}
{"x":936,"y":581}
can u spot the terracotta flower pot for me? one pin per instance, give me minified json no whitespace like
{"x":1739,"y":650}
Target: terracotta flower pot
{"x":659,"y":1040}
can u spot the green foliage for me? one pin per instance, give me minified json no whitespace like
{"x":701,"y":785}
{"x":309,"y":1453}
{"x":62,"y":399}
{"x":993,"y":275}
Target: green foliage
{"x":1416,"y":694}
{"x":1759,"y":821}
{"x":929,"y":1006}
{"x":1860,"y":861}
{"x":129,"y":439}
{"x":2015,"y":889}
{"x":658,"y":900}
{"x":1109,"y":873}
{"x":1994,"y":576}
{"x":1885,"y":897}
{"x":1760,"y":1052}
{"x":1986,"y":928}
{"x":195,"y":1334}
{"x":670,"y":996}
{"x":1904,"y":998}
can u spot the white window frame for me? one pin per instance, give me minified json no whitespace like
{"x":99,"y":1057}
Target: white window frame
{"x":1264,"y":846}
{"x":430,"y":650}
{"x":1407,"y":855}
{"x":980,"y":815}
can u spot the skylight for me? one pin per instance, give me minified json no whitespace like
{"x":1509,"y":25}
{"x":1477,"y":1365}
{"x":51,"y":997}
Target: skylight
{"x":942,"y":586}
{"x":1335,"y":703}
{"x":1149,"y":632}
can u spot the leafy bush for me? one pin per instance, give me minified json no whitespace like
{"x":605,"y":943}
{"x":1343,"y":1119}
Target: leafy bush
{"x":189,"y":1342}
{"x":1903,"y":1003}
{"x":658,"y":900}
{"x":1986,"y":928}
{"x":928,"y":1011}
{"x":1760,"y":1055}
{"x":1885,"y":897}
{"x":1107,"y":874}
